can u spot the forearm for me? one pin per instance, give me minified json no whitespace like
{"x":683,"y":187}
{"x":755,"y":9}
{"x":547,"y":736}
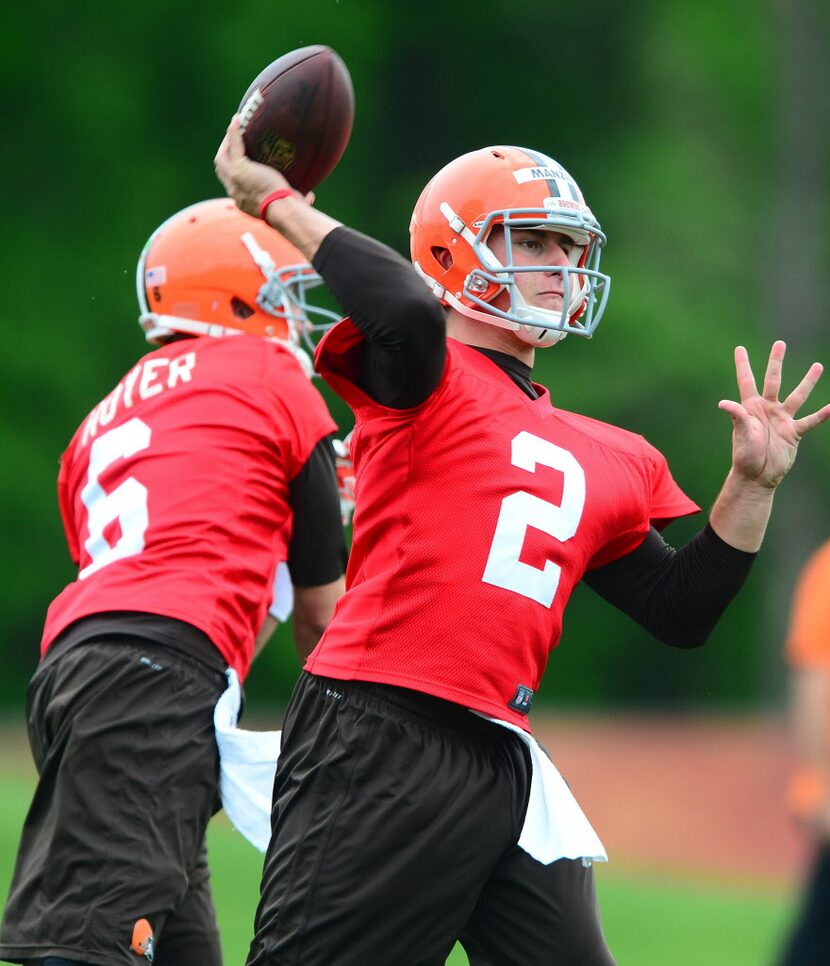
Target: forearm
{"x":678,"y":596}
{"x":741,"y":512}
{"x":269,"y":625}
{"x":403,"y":323}
{"x":304,"y":226}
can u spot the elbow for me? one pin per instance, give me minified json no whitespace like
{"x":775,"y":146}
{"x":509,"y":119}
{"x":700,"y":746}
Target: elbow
{"x":436,"y":317}
{"x":313,"y":627}
{"x":309,"y":626}
{"x":681,"y":628}
{"x":307,"y":635}
{"x":313,"y":608}
{"x":421,"y":309}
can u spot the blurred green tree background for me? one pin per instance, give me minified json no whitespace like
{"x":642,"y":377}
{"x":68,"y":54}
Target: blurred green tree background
{"x":697,"y":131}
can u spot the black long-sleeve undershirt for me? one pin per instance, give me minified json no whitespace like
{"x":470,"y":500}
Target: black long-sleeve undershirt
{"x":405,"y":349}
{"x":317,"y":551}
{"x":676,"y":595}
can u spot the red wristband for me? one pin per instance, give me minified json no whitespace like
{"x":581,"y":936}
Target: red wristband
{"x":274,"y":196}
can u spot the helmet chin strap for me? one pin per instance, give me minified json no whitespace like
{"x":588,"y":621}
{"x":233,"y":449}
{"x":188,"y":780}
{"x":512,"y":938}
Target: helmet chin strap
{"x":540,"y":337}
{"x":533,"y":335}
{"x":536,"y":335}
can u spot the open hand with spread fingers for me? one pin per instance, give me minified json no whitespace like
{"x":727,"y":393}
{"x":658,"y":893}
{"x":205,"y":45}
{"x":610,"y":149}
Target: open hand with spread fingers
{"x":766,"y":432}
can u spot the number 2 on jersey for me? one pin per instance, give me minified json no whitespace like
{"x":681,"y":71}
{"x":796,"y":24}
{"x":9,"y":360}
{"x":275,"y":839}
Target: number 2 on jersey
{"x":521,"y":510}
{"x":127,"y":503}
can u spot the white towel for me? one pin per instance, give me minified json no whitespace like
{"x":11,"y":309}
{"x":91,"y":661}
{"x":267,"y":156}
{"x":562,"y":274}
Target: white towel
{"x":282,"y":602}
{"x":247,"y":762}
{"x":555,"y":827}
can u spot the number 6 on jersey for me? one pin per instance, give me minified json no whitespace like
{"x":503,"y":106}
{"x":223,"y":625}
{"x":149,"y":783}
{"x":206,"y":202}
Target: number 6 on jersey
{"x":521,"y":510}
{"x":127,"y":503}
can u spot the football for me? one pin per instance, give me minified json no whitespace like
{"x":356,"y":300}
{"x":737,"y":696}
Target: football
{"x":297,"y":115}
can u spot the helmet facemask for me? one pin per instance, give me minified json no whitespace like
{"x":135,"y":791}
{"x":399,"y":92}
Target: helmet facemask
{"x":283,"y":295}
{"x":585,"y":288}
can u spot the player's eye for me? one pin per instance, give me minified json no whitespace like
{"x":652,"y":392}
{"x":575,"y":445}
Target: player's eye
{"x":530,"y":244}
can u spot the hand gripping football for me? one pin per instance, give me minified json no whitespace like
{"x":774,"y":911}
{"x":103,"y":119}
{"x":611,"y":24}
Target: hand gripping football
{"x":297,"y":115}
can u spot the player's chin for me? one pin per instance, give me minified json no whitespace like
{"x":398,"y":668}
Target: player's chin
{"x":553,"y":303}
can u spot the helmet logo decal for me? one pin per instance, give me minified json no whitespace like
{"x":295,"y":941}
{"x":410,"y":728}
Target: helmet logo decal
{"x":143,"y":940}
{"x":559,"y":203}
{"x":155,"y":276}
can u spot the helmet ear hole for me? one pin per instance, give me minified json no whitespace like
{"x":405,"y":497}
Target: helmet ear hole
{"x":241,"y":309}
{"x":443,"y":256}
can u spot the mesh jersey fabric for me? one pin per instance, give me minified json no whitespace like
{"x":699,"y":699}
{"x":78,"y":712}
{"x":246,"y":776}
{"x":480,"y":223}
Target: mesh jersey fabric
{"x":455,"y":547}
{"x":174,"y":489}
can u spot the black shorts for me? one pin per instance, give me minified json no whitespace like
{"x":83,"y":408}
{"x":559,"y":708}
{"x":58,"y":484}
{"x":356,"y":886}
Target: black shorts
{"x":122,"y":735}
{"x":395,"y":822}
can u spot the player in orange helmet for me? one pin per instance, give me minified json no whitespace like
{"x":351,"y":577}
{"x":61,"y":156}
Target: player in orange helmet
{"x":412,"y":806}
{"x":197,"y":498}
{"x":231,"y":276}
{"x":468,"y":257}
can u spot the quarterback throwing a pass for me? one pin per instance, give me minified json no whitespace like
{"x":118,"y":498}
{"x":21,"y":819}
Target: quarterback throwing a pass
{"x":411,"y":807}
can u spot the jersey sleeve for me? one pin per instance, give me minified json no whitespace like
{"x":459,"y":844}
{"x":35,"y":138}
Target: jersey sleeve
{"x":338,"y":359}
{"x":808,"y":636}
{"x":299,"y":408}
{"x":664,"y":502}
{"x":668,"y":501}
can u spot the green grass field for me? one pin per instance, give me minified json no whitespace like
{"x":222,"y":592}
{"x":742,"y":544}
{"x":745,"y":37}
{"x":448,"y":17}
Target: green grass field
{"x":649,"y":920}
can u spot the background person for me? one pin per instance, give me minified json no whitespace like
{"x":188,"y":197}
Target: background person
{"x":808,"y":654}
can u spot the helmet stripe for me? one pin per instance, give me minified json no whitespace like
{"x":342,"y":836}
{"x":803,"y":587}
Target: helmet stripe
{"x":544,"y":162}
{"x":556,"y":186}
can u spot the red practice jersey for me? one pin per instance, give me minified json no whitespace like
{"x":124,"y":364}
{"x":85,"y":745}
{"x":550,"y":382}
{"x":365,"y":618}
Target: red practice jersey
{"x":174,"y":490}
{"x":477,"y":513}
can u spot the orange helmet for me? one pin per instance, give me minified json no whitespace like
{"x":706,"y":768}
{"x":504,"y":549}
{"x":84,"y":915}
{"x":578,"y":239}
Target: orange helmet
{"x":515,"y":188}
{"x":213,"y":270}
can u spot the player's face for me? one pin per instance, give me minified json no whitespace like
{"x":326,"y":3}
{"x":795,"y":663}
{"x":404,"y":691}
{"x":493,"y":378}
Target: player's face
{"x":534,"y":246}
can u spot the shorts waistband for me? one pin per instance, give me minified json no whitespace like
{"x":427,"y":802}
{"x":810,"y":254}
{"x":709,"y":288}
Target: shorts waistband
{"x":189,"y":645}
{"x":434,"y":710}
